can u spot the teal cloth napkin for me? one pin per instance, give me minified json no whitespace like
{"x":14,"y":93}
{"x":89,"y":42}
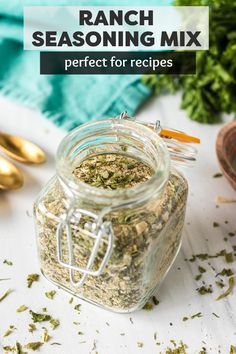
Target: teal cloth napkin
{"x":67,"y":100}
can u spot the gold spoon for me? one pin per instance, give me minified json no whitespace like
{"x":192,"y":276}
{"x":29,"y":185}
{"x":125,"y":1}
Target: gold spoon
{"x":21,"y":149}
{"x":10,"y":176}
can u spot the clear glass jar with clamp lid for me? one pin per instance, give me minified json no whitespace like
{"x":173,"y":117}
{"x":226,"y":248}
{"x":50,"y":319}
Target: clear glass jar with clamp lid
{"x":109,"y":222}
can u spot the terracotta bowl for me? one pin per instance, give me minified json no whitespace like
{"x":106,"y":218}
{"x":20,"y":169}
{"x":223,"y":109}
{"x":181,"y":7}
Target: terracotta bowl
{"x":226,"y":151}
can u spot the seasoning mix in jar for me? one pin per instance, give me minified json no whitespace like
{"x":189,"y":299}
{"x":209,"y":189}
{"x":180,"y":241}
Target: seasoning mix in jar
{"x":109,"y":222}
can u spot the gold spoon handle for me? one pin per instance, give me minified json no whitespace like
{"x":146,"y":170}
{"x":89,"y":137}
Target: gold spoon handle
{"x":10,"y":176}
{"x":21,"y":149}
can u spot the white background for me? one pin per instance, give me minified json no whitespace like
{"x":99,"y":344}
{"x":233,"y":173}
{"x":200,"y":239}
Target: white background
{"x":177,"y":295}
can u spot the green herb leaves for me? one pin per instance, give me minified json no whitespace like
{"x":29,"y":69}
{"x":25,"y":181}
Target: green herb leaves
{"x":212,"y":91}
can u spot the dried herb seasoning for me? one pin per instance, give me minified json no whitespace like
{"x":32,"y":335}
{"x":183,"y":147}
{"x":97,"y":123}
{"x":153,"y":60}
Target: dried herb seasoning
{"x":155,"y":301}
{"x":199,"y":314}
{"x":54,"y":323}
{"x":6,"y":261}
{"x":31,"y":278}
{"x":214,"y":314}
{"x":138,"y":232}
{"x":217,"y":175}
{"x":31,"y":327}
{"x":232,"y":349}
{"x":228,"y":291}
{"x":9,"y":331}
{"x":148,"y":306}
{"x":77,"y":307}
{"x":112,"y":171}
{"x":19,"y":349}
{"x":205,"y":256}
{"x":180,"y":349}
{"x":22,"y":308}
{"x":201,"y":269}
{"x":33,"y":345}
{"x":55,"y":343}
{"x":5,"y":294}
{"x":140,"y":344}
{"x":203,"y":290}
{"x":226,"y":271}
{"x":9,"y":348}
{"x":46,"y":336}
{"x":39,"y":317}
{"x":50,"y":294}
{"x":229,"y":258}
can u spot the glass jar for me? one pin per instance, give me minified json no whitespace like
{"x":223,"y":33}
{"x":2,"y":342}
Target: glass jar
{"x":112,"y":248}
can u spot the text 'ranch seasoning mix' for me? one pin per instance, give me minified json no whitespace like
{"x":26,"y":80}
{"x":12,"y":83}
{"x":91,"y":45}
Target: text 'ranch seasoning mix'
{"x":109,"y":222}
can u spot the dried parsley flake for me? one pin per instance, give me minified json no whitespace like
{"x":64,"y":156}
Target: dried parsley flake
{"x":77,"y":307}
{"x":228,"y":291}
{"x":232,"y":350}
{"x":181,"y":349}
{"x":54,"y":323}
{"x":229,"y":257}
{"x":220,"y":284}
{"x":22,"y":308}
{"x":39,"y":317}
{"x":50,"y":294}
{"x":140,"y":344}
{"x":31,"y":327}
{"x":148,"y":306}
{"x":46,"y":336}
{"x":155,"y":301}
{"x":205,"y":290}
{"x":214,"y":314}
{"x":226,"y":271}
{"x":201,"y":269}
{"x":6,"y":261}
{"x":199,"y":314}
{"x":9,"y":331}
{"x":5,"y":294}
{"x":8,"y":348}
{"x":31,"y":278}
{"x":33,"y":345}
{"x":19,"y":349}
{"x":217,"y":175}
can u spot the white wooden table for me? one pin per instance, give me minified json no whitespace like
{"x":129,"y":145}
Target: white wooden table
{"x":105,"y":332}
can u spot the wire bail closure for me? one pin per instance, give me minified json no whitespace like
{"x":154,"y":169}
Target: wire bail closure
{"x":178,"y":143}
{"x":99,"y":230}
